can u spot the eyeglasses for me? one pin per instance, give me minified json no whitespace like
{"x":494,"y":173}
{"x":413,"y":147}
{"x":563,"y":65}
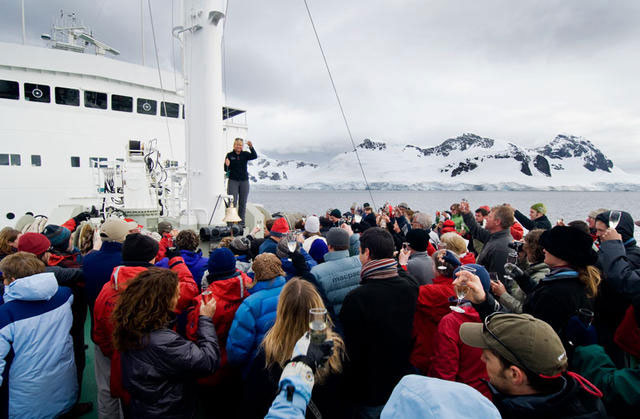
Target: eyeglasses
{"x":486,"y":328}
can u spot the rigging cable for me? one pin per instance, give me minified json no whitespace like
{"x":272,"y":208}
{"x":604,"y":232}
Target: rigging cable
{"x":164,"y":102}
{"x":335,"y":91}
{"x":224,"y":70}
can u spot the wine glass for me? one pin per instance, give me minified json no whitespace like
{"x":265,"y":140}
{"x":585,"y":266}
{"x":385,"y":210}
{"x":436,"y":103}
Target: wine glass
{"x":318,"y":325}
{"x":291,"y":242}
{"x":461,"y":290}
{"x":614,"y":219}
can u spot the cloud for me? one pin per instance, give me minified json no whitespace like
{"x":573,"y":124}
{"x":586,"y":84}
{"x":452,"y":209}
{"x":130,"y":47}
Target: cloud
{"x":407,"y":71}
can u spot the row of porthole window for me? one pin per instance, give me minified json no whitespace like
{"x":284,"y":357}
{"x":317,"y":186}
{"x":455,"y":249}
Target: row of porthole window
{"x":96,"y":100}
{"x":36,"y":160}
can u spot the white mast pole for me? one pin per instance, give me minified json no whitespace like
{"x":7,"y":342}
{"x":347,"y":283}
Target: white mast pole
{"x":24,"y":34}
{"x":204,"y":140}
{"x":142,"y":30}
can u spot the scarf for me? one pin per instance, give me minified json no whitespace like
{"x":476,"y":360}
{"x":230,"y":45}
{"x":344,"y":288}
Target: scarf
{"x":379,"y":269}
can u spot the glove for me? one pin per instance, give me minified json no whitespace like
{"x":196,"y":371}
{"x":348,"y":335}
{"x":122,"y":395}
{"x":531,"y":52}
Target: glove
{"x":173,"y":252}
{"x":299,"y":262}
{"x":312,"y":354}
{"x":512,"y":270}
{"x":95,"y":213}
{"x":579,"y":334}
{"x":83,"y":216}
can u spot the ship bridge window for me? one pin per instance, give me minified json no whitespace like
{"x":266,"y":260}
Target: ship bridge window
{"x":95,"y":100}
{"x":147,"y":106}
{"x":36,"y":160}
{"x":37,"y":92}
{"x":98,"y":161}
{"x":172,"y":110}
{"x":16,"y":160}
{"x":75,"y":161}
{"x":121,"y":103}
{"x":4,"y":160}
{"x":9,"y":90}
{"x":66,"y":96}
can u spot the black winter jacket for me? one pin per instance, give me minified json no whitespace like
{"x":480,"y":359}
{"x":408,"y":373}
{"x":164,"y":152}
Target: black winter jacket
{"x":572,"y":400}
{"x":495,"y":250}
{"x":161,"y":376}
{"x":540,"y":222}
{"x":238,"y":167}
{"x":377,"y":318}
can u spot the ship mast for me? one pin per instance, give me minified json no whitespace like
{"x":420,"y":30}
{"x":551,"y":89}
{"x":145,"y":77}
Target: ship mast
{"x":205,"y":152}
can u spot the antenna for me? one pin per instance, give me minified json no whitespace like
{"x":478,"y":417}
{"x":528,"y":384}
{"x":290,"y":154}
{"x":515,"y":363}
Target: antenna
{"x":69,"y":34}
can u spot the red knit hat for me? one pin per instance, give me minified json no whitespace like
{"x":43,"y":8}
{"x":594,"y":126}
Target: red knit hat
{"x":486,"y":207}
{"x":35,"y":243}
{"x":448,"y":227}
{"x":279,"y":228}
{"x":517,"y":231}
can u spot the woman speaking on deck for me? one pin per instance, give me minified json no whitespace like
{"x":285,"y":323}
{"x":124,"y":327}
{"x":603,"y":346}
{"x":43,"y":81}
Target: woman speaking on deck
{"x":235,"y":164}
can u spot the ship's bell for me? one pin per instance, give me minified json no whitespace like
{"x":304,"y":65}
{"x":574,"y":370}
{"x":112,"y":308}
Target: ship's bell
{"x":231,"y":215}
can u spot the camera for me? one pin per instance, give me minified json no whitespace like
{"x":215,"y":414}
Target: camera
{"x":517,"y":246}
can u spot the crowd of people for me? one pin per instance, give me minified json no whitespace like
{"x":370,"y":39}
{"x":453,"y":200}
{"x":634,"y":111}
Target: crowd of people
{"x":485,"y":313}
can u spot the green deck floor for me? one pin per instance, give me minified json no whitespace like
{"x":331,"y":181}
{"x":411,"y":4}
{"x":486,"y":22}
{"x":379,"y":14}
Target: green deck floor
{"x":89,"y":389}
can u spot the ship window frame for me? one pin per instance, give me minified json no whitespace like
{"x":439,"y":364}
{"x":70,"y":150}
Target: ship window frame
{"x":15,"y":159}
{"x":95,"y":162}
{"x":119,"y":103}
{"x":171,"y":112}
{"x":94,"y":104}
{"x":31,"y":92}
{"x":14,"y":86}
{"x":153,"y":110}
{"x":4,"y":159}
{"x":75,"y":161}
{"x":64,"y":100}
{"x":36,"y":160}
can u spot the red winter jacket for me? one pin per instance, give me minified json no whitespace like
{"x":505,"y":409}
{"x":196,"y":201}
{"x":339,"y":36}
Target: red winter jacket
{"x":453,"y":360}
{"x":229,"y":294}
{"x":467,"y":258}
{"x":627,"y":334}
{"x":165,"y":242}
{"x":430,"y":249}
{"x":64,"y":259}
{"x":433,"y":304}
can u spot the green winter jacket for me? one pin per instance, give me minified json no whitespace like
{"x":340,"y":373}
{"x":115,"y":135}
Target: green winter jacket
{"x":621,"y":387}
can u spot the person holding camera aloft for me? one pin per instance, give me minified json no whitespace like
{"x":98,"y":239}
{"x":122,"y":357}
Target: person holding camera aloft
{"x":532,"y":261}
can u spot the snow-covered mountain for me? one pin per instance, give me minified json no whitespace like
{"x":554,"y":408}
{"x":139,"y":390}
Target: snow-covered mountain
{"x":468,"y":162}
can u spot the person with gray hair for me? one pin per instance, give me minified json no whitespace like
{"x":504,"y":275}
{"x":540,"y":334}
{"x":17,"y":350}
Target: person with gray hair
{"x":424,"y":221}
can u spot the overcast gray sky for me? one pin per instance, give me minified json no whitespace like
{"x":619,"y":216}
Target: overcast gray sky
{"x":408,"y":71}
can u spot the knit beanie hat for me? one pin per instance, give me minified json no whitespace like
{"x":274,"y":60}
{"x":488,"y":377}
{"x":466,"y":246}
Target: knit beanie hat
{"x":312,"y":225}
{"x":58,"y":236}
{"x":35,"y":243}
{"x":240,"y":245}
{"x":280,"y":227}
{"x":266,"y":267}
{"x":569,"y":244}
{"x":335,"y":213}
{"x":222,"y":262}
{"x":486,"y":208}
{"x":164,"y":227}
{"x":282,"y":250}
{"x":318,"y":250}
{"x":539,"y":207}
{"x":593,"y":214}
{"x":337,"y":237}
{"x":448,"y":226}
{"x":139,"y":248}
{"x":116,"y":229}
{"x":481,"y":272}
{"x":418,"y":239}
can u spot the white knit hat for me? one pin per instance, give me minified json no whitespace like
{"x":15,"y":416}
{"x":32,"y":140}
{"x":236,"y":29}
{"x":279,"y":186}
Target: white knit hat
{"x":312,"y":225}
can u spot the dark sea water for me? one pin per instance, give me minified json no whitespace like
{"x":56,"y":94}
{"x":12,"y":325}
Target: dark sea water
{"x":567,"y":205}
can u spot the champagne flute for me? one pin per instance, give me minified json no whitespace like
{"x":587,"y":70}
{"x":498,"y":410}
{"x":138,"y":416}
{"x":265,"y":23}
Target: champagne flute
{"x":318,"y":325}
{"x":614,"y":219}
{"x":461,"y":290}
{"x":291,"y":242}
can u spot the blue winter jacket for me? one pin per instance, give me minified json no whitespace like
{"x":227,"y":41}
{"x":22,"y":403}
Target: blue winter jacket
{"x":196,"y":263}
{"x":97,"y":268}
{"x":252,"y":321}
{"x":36,"y":349}
{"x":268,"y":246}
{"x":339,"y":274}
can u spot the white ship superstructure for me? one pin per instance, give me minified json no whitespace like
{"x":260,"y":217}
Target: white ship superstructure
{"x":64,"y":112}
